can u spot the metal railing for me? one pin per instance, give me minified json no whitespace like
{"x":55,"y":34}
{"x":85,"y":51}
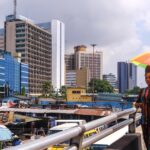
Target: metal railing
{"x":75,"y":135}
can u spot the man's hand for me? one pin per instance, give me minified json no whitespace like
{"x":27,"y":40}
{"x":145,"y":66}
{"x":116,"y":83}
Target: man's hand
{"x":139,"y":106}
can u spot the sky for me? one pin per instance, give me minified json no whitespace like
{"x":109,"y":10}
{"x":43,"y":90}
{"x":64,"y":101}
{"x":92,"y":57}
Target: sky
{"x":120,"y":28}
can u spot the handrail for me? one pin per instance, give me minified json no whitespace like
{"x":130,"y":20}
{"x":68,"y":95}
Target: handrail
{"x":105,"y":133}
{"x":108,"y":119}
{"x":49,"y":140}
{"x":76,"y":133}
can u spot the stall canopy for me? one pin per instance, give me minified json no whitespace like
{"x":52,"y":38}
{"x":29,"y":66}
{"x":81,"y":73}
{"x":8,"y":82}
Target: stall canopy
{"x":5,"y":133}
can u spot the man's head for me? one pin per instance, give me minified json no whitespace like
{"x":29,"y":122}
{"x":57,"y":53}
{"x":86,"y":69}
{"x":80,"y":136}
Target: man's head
{"x":147,"y":75}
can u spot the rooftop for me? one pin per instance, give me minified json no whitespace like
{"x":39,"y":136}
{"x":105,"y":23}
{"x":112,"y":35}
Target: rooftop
{"x":79,"y":111}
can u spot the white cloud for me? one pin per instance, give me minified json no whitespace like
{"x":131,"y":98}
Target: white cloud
{"x":112,"y":24}
{"x":6,"y":8}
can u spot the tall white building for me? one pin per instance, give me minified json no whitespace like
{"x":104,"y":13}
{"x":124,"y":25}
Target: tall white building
{"x":57,"y":30}
{"x":58,"y":48}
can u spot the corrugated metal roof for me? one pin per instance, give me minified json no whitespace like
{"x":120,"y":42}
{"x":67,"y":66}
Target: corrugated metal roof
{"x":93,"y":112}
{"x":31,"y":110}
{"x":85,"y":111}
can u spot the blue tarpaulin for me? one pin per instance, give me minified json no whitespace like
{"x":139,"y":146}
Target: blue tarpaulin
{"x":5,"y":133}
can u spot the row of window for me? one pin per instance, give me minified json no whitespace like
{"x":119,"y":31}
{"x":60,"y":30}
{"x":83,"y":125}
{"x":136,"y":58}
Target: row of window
{"x":20,"y":40}
{"x":20,"y":45}
{"x":20,"y":35}
{"x":76,"y":92}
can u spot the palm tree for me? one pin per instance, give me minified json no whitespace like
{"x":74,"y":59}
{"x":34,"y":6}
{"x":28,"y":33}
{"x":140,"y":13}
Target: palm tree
{"x":63,"y":90}
{"x":47,"y":88}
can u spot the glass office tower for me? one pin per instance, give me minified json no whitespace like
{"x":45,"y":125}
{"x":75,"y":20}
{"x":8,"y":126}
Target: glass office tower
{"x":25,"y":77}
{"x":13,"y":75}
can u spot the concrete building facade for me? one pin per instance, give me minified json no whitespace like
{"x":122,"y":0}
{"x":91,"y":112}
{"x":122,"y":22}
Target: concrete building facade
{"x":2,"y":39}
{"x":86,"y":64}
{"x":92,"y":61}
{"x":77,"y":94}
{"x":71,"y":76}
{"x":70,"y":61}
{"x":78,"y":78}
{"x":34,"y":44}
{"x":111,"y":78}
{"x":82,"y":77}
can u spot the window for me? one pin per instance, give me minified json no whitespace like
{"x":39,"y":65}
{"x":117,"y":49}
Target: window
{"x":76,"y":92}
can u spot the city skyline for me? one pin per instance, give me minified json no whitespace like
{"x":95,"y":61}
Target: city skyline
{"x":121,"y":34}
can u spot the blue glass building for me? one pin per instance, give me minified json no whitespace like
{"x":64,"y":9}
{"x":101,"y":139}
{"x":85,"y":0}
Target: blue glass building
{"x":127,"y":76}
{"x":122,"y":76}
{"x":132,"y":76}
{"x":25,"y":77}
{"x":12,"y":78}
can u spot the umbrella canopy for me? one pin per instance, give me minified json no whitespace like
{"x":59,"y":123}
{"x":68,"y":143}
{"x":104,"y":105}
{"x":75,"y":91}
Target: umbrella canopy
{"x":5,"y":133}
{"x":142,"y":60}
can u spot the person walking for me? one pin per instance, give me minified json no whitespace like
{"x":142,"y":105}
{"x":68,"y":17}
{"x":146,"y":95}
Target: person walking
{"x":143,"y":102}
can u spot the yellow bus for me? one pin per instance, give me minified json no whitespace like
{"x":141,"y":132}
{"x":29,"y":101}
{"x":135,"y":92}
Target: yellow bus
{"x":57,"y":129}
{"x":65,"y":144}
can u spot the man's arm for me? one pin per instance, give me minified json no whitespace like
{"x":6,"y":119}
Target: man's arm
{"x":139,"y":104}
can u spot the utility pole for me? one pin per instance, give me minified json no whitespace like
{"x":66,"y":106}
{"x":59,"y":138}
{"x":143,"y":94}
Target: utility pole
{"x":15,"y":8}
{"x":93,"y":45}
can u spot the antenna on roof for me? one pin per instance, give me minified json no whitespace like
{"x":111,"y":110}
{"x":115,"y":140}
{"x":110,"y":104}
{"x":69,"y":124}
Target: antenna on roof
{"x":15,"y":8}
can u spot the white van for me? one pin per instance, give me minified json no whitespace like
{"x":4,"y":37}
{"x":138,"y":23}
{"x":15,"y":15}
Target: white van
{"x":61,"y":127}
{"x":79,"y":122}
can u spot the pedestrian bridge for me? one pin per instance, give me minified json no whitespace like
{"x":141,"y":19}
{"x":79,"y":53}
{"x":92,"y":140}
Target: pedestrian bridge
{"x":75,"y":135}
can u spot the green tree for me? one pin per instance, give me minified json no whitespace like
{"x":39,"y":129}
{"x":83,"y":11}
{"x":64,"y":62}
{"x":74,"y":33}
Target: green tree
{"x":63,"y":91}
{"x":100,"y":86}
{"x":135,"y":90}
{"x":23,"y":91}
{"x":47,"y":88}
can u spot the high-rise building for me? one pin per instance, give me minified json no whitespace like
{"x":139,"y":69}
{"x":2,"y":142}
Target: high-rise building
{"x":127,"y":76}
{"x":57,"y":29}
{"x":122,"y":76}
{"x":83,"y":77}
{"x":132,"y":76}
{"x":34,"y":44}
{"x":1,"y":38}
{"x":12,"y":75}
{"x":58,"y":56}
{"x":71,"y":78}
{"x":70,"y":61}
{"x":24,"y":77}
{"x":92,"y":61}
{"x":79,"y":78}
{"x":87,"y":65}
{"x":111,"y":78}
